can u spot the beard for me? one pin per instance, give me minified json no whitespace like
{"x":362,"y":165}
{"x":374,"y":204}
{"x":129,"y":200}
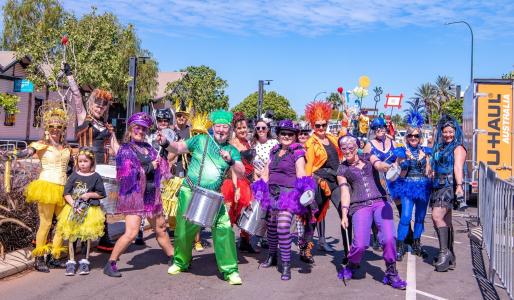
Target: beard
{"x":220,"y":137}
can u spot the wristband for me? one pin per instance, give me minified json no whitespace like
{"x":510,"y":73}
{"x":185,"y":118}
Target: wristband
{"x":344,"y":184}
{"x":231,"y":162}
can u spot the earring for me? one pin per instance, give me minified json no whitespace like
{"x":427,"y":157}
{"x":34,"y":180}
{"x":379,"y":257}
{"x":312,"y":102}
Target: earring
{"x":47,"y":135}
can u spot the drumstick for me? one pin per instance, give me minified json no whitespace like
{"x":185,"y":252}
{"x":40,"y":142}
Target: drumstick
{"x":215,"y":143}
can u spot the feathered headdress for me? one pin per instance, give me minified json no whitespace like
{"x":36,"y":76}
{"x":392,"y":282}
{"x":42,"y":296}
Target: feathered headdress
{"x":318,"y":111}
{"x":200,"y":123}
{"x":414,"y":119}
{"x":378,"y":123}
{"x":180,"y":106}
{"x":53,"y":112}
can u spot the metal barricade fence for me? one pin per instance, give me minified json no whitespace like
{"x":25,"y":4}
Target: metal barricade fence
{"x":496,"y":213}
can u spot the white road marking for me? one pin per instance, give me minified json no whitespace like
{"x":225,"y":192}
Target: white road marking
{"x":410,"y":293}
{"x":434,"y":238}
{"x":430,"y":295}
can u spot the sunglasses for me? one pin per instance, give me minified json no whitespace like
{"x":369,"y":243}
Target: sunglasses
{"x":55,"y":127}
{"x":348,"y":149}
{"x":413,"y":136}
{"x":162,"y":120}
{"x":303,"y":133}
{"x":259,"y":128}
{"x":101,"y":102}
{"x":288,"y":134}
{"x":380,"y":129}
{"x":321,"y":125}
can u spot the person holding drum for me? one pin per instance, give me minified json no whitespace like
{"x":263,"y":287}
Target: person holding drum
{"x":365,"y":200}
{"x":413,"y":186}
{"x":94,"y":132}
{"x":47,"y":191}
{"x":449,"y":156}
{"x":139,"y":170}
{"x":323,"y":156}
{"x":211,"y":158}
{"x":279,"y":192}
{"x":236,"y":191}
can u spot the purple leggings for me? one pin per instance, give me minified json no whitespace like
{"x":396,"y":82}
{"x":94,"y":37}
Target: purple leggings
{"x":279,"y":233}
{"x":382,"y":213}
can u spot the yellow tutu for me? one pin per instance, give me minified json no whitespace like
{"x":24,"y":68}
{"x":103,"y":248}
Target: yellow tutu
{"x":42,"y":191}
{"x":169,"y":189}
{"x":91,"y":229}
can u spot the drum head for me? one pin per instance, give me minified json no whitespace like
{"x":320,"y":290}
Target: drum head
{"x":307,"y":198}
{"x":393,"y":173}
{"x":107,"y":171}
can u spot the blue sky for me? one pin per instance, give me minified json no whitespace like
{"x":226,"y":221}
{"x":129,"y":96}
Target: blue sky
{"x":308,"y":46}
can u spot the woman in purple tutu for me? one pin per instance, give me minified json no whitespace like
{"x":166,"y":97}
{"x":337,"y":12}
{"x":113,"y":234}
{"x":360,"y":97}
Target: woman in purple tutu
{"x":139,"y":170}
{"x":279,"y":192}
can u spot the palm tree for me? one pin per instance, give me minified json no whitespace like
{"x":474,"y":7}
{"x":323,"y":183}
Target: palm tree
{"x":426,"y":94}
{"x":444,"y":92}
{"x":416,"y":105}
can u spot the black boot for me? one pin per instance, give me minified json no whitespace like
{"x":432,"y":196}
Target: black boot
{"x":445,"y":257}
{"x":40,"y":264}
{"x":400,"y":250}
{"x":392,"y":278}
{"x":105,"y":244}
{"x":56,"y":263}
{"x":417,"y":249}
{"x":306,"y":254}
{"x":286,"y":271}
{"x":271,"y":261}
{"x":139,"y":239}
{"x":409,"y":240}
{"x":434,"y":261}
{"x":246,"y":246}
{"x":453,"y":263}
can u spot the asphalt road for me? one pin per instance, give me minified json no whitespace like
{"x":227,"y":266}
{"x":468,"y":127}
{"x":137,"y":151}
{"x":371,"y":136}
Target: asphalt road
{"x":144,"y":276}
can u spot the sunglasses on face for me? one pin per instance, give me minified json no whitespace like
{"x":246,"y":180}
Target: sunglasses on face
{"x":321,"y":125}
{"x":259,"y":128}
{"x":288,"y":134}
{"x":348,"y":149}
{"x":380,"y":129}
{"x":55,"y":127}
{"x":101,"y":102}
{"x":303,"y":133}
{"x":162,"y":120}
{"x":416,"y":136}
{"x":140,"y":130}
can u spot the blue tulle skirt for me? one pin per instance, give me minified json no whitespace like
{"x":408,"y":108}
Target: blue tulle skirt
{"x":412,"y":187}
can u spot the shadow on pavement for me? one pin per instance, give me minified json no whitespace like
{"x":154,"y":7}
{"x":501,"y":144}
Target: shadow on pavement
{"x":487,"y":289}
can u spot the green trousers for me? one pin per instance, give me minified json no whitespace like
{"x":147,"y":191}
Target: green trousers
{"x":222,"y":235}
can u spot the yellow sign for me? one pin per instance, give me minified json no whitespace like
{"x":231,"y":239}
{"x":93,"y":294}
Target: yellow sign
{"x":494,"y":115}
{"x":364,"y":81}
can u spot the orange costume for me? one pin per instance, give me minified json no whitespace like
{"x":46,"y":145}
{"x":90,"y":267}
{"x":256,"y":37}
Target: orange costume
{"x":316,"y":153}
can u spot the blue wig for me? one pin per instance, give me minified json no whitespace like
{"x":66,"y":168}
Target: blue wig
{"x":443,"y":152}
{"x":378,"y":123}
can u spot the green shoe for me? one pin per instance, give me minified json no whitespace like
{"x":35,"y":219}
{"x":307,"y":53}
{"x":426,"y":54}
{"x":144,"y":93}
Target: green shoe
{"x":174,"y":270}
{"x":234,"y":279}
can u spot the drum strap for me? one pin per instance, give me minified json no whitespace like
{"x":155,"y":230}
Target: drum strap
{"x":188,"y":180}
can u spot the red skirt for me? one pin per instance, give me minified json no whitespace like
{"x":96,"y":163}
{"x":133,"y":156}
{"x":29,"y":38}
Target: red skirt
{"x":227,"y":189}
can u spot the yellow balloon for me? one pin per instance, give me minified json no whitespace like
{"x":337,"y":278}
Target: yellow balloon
{"x":364,"y":81}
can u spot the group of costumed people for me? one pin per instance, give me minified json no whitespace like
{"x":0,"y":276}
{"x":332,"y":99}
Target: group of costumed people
{"x":294,"y":178}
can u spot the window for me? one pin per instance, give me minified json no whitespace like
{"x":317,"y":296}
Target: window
{"x":38,"y":102}
{"x":10,"y":119}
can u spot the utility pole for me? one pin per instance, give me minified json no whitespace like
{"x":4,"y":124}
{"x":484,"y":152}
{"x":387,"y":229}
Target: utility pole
{"x":131,"y":100}
{"x":261,"y":96}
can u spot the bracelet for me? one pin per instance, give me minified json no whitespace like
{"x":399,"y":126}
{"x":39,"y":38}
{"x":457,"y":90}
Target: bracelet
{"x":344,"y":184}
{"x":459,"y":184}
{"x":373,"y":164}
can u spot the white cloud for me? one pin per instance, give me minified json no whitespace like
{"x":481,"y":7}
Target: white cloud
{"x":305,"y":17}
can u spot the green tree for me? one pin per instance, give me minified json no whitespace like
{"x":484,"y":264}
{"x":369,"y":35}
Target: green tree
{"x":272,"y":101}
{"x":454,"y":107}
{"x":509,"y":75}
{"x":9,"y":103}
{"x":202,"y":86}
{"x":398,"y":121}
{"x":98,"y":48}
{"x":426,"y":94}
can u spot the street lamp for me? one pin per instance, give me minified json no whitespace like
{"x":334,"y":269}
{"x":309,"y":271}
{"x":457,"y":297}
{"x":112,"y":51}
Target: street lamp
{"x":471,"y":31}
{"x":261,"y":96}
{"x":318,"y":95}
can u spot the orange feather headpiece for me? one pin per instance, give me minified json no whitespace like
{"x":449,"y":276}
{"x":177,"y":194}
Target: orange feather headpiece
{"x":318,"y":111}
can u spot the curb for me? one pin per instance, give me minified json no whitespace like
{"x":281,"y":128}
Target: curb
{"x":15,"y":262}
{"x":20,"y":260}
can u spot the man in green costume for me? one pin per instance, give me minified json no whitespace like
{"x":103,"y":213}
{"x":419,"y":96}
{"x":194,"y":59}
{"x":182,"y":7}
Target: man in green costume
{"x":219,"y":157}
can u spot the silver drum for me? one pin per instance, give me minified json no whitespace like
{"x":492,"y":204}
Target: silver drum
{"x":108,"y":174}
{"x":253,"y":219}
{"x":203,"y":207}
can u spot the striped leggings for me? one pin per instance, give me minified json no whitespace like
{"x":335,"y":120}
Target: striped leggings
{"x":279,"y":233}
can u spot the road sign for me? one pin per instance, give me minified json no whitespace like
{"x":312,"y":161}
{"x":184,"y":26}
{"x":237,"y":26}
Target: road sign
{"x":23,"y":86}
